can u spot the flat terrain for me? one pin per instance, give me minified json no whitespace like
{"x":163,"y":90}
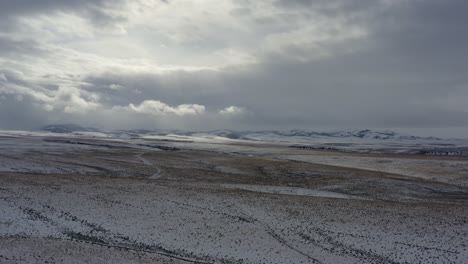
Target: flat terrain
{"x":89,"y":200}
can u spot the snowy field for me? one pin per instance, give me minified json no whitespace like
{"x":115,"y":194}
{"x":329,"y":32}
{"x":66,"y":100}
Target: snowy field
{"x":100,"y":198}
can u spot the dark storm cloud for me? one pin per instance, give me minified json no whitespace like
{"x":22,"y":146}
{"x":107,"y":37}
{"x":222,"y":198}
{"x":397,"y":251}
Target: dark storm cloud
{"x":95,"y":10}
{"x":28,"y":7}
{"x":19,"y":47}
{"x":406,"y":67}
{"x":346,"y":8}
{"x":399,"y":76}
{"x":427,"y":33}
{"x":324,"y":5}
{"x":24,"y":114}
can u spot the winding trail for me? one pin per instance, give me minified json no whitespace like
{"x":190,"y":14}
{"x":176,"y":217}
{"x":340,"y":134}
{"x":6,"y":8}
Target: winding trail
{"x":146,"y":162}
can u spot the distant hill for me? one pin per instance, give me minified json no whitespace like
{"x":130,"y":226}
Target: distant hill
{"x":269,"y":135}
{"x":363,"y":134}
{"x":67,"y":128}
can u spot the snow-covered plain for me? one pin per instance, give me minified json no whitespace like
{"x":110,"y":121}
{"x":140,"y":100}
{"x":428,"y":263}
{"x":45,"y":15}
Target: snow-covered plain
{"x":93,"y":198}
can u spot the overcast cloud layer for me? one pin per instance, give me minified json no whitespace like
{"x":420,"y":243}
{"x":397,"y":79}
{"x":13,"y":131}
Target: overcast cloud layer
{"x":239,"y":64}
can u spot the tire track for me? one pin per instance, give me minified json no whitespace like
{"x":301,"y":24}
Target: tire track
{"x":270,"y":231}
{"x":342,"y":249}
{"x":236,"y":217}
{"x":97,"y":235}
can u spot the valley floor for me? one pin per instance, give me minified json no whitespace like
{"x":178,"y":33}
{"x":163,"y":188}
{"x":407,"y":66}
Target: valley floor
{"x":84,"y":200}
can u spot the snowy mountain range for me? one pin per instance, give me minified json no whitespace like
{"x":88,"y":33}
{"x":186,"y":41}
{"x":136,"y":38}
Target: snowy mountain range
{"x":271,"y":135}
{"x":297,"y":133}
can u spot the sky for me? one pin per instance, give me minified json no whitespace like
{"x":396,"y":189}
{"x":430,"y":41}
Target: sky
{"x":235,"y":64}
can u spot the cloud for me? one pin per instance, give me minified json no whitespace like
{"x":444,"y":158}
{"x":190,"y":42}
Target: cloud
{"x":3,"y":78}
{"x":297,"y":63}
{"x":159,"y":108}
{"x":96,"y":10}
{"x":232,"y":110}
{"x":62,"y":99}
